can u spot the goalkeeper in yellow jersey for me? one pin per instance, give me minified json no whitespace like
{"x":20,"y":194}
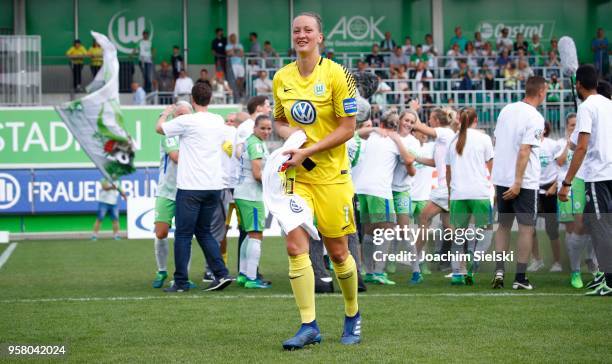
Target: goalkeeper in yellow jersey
{"x":318,"y":96}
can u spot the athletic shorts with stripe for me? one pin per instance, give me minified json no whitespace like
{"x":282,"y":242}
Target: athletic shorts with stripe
{"x":252,"y":215}
{"x":332,"y":205}
{"x":374,"y":209}
{"x":462,"y":210}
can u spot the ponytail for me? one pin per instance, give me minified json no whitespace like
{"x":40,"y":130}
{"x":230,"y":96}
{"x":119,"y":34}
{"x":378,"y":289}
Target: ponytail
{"x":466,"y":118}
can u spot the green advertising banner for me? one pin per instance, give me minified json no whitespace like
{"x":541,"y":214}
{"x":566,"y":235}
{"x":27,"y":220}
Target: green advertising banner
{"x":123,"y":21}
{"x":547,"y":18}
{"x":35,"y":137}
{"x":353,"y":26}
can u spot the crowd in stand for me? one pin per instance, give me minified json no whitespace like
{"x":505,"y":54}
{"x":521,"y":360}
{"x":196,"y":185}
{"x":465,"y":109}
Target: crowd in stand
{"x":470,"y":64}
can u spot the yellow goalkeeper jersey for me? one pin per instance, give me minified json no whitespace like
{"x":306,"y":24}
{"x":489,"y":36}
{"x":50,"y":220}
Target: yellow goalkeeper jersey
{"x":315,"y":104}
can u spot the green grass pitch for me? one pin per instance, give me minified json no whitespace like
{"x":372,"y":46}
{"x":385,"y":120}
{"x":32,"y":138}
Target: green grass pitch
{"x":96,"y":298}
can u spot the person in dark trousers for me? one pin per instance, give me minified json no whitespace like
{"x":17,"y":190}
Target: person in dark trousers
{"x":201,"y":136}
{"x":218,"y":49}
{"x":177,"y":61}
{"x":592,"y":161}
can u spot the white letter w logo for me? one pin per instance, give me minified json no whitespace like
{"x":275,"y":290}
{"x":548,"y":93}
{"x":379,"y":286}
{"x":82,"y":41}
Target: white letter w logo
{"x":129,"y":33}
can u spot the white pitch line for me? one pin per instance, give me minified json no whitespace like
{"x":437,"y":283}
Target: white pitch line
{"x":7,"y":253}
{"x":277,"y":296}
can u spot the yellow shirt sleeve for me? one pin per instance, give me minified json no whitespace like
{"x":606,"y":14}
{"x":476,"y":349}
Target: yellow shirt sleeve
{"x":279,"y":112}
{"x":344,"y":91}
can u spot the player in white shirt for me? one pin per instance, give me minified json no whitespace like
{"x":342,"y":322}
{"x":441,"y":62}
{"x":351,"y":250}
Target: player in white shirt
{"x":442,"y":134}
{"x":373,"y":188}
{"x":516,"y":176}
{"x":570,"y":212}
{"x":257,"y":105}
{"x":469,"y":162}
{"x":221,"y":215}
{"x":199,"y":184}
{"x":165,"y":206}
{"x":423,"y":181}
{"x":547,"y":203}
{"x":402,"y":181}
{"x":593,"y":151}
{"x":249,"y":200}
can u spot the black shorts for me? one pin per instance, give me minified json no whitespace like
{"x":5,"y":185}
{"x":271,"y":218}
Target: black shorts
{"x":547,"y":204}
{"x":523,"y":207}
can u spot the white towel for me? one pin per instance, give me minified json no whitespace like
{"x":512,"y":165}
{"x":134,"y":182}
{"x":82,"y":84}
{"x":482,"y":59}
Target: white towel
{"x":291,"y":211}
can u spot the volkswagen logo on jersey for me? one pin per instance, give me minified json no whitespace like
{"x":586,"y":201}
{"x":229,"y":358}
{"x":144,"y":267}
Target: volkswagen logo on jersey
{"x":295,"y":207}
{"x":303,"y":112}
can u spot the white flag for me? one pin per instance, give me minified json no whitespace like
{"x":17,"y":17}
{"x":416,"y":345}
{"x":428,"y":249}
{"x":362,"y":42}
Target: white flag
{"x":96,"y":120}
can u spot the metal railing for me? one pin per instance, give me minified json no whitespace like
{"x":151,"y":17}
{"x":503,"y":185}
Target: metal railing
{"x":20,"y":70}
{"x":443,"y":79}
{"x":57,"y":74}
{"x":350,"y":59}
{"x":487,"y":103}
{"x":451,"y":84}
{"x":166,"y":98}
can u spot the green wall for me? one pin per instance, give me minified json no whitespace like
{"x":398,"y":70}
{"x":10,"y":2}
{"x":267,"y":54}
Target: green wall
{"x":269,"y":19}
{"x":6,"y":17}
{"x":350,"y":25}
{"x":416,"y":21}
{"x":203,"y":17}
{"x":355,"y":25}
{"x":164,"y":21}
{"x":54,"y":22}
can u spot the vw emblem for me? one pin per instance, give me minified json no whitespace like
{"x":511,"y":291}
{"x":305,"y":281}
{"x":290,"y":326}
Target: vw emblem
{"x":303,"y":112}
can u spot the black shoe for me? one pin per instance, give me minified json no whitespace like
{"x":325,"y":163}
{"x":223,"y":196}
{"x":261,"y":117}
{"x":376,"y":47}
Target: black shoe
{"x":262,"y":279}
{"x":522,"y":285}
{"x":208,"y":277}
{"x":176,"y":289}
{"x":324,"y":285}
{"x":361,"y":286}
{"x":219,"y":284}
{"x":599,"y":277}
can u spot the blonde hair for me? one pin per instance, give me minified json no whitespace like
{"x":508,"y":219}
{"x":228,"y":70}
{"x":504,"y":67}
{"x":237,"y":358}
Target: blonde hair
{"x":390,"y":120}
{"x":411,"y":112}
{"x":451,"y":115}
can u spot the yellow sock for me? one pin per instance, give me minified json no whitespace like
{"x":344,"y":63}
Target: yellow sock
{"x":224,"y":255}
{"x":302,"y":281}
{"x":346,"y":272}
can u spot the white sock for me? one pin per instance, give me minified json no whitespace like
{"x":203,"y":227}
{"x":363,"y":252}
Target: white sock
{"x":575,"y":244}
{"x":161,"y":253}
{"x":482,"y":246}
{"x":591,"y":258}
{"x":368,"y":252}
{"x":243,"y":255}
{"x":379,"y":266}
{"x":252,"y":258}
{"x":456,"y":249}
